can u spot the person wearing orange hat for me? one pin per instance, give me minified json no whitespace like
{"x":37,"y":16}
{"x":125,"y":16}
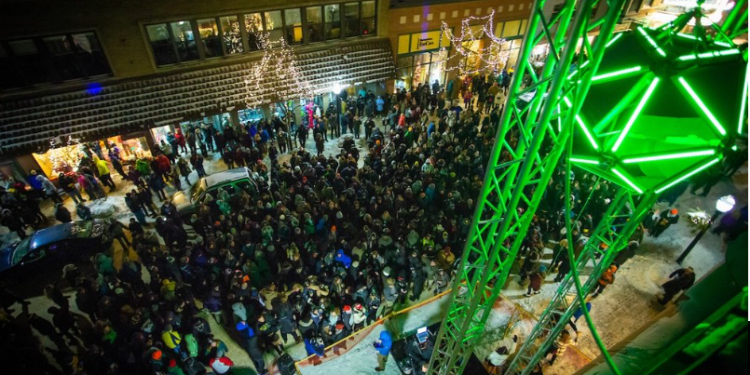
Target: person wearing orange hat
{"x":157,"y":360}
{"x":666,"y":219}
{"x":607,"y":278}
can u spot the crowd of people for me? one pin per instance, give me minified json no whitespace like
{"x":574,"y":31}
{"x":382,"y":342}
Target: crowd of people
{"x":316,"y":248}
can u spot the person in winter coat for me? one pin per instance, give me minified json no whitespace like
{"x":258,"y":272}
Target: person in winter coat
{"x":62,"y":214}
{"x":343,"y":259}
{"x":682,"y":279}
{"x":252,"y":347}
{"x":390,"y":294}
{"x":156,"y":183}
{"x":666,"y":219}
{"x":359,"y":315}
{"x":441,"y":281}
{"x":608,"y":277}
{"x":184,"y":169}
{"x":373,"y":305}
{"x":68,"y":184}
{"x":221,"y":364}
{"x":445,"y":259}
{"x":383,"y":348}
{"x":536,"y":280}
{"x":49,"y":188}
{"x":559,"y":346}
{"x":171,"y":338}
{"x":84,"y":212}
{"x":498,"y":357}
{"x":104,"y":174}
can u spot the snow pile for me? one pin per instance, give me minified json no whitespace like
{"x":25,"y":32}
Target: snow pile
{"x":103,"y":209}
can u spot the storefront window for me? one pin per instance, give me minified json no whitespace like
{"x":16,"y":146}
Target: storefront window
{"x":293,"y":23}
{"x":351,"y":19}
{"x":252,"y":114}
{"x":67,"y":159}
{"x":231,"y":35}
{"x":90,"y":54}
{"x":30,"y":61}
{"x":332,"y":22}
{"x":210,"y":36}
{"x":161,"y":44}
{"x":274,"y":25}
{"x":471,"y":62}
{"x":314,"y":24}
{"x":253,"y":26}
{"x":368,"y":18}
{"x":404,"y":70}
{"x":160,"y":133}
{"x":63,"y":58}
{"x":184,"y":39}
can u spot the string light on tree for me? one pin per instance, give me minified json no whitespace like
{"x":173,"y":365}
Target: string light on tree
{"x":277,"y":76}
{"x":490,"y":57}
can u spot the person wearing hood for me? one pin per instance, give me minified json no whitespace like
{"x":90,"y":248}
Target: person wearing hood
{"x":49,"y":188}
{"x":84,"y":212}
{"x":383,"y":348}
{"x":251,"y":346}
{"x":68,"y":184}
{"x":62,"y":214}
{"x":343,"y":259}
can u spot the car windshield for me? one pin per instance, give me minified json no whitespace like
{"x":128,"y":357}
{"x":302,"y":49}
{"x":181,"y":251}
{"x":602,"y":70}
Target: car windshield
{"x":81,"y":229}
{"x":197,"y":189}
{"x":20,"y":251}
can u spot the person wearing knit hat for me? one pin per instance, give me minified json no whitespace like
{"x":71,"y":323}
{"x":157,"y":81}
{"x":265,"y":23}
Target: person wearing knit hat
{"x":665,"y":220}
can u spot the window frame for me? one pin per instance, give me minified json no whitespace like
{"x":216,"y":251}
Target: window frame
{"x":52,"y":75}
{"x":245,"y":34}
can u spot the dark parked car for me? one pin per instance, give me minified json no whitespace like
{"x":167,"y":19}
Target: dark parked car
{"x":51,"y":248}
{"x":233,"y":181}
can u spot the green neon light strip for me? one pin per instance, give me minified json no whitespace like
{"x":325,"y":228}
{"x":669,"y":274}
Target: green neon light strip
{"x":669,"y":156}
{"x":617,"y":73}
{"x":724,"y":44}
{"x":702,"y":106}
{"x":743,"y":103}
{"x":652,"y":42}
{"x":709,"y":55}
{"x":687,"y":36}
{"x":584,"y":161}
{"x":614,"y":39}
{"x":635,"y":114}
{"x":630,"y":183}
{"x":691,"y":173}
{"x":583,"y":126}
{"x":559,"y":118}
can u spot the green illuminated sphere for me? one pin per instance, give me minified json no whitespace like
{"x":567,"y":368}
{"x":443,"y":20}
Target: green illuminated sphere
{"x":661,"y":108}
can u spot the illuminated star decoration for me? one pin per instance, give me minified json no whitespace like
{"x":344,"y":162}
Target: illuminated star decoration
{"x":277,"y":76}
{"x":490,"y":57}
{"x":661,"y":109}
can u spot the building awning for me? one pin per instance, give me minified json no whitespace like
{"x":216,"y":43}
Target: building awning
{"x":28,"y":125}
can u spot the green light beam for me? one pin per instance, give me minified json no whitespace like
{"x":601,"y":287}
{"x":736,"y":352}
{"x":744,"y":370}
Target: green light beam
{"x":627,"y":181}
{"x":691,"y":173}
{"x":584,"y":161}
{"x":652,"y":42}
{"x":709,"y":55}
{"x":743,"y":102}
{"x":687,"y":36}
{"x":613,"y":40}
{"x":616,"y":73}
{"x":669,"y":156}
{"x":559,"y":118}
{"x":583,"y":126}
{"x":635,"y":114}
{"x":723,"y":44}
{"x":702,"y":106}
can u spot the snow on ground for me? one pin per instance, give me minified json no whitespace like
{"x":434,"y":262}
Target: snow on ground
{"x":359,"y":360}
{"x":422,"y":316}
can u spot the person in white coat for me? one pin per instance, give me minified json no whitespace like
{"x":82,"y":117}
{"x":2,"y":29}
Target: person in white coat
{"x":499,"y":356}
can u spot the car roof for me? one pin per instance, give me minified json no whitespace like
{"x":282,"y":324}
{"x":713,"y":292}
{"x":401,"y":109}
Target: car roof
{"x":226,"y":176}
{"x":53,"y":234}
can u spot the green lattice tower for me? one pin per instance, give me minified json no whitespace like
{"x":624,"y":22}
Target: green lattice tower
{"x":649,"y":82}
{"x":514,"y":187}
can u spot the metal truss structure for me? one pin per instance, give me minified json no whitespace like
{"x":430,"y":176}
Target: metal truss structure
{"x":520,"y":168}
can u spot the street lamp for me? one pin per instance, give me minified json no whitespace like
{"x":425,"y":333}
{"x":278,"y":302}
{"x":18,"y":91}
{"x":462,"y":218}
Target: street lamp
{"x":724,"y":204}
